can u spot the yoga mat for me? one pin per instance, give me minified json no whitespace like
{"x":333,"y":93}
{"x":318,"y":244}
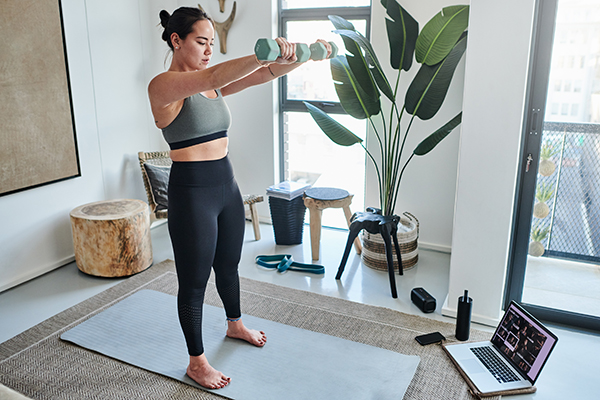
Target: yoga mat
{"x":143,"y":330}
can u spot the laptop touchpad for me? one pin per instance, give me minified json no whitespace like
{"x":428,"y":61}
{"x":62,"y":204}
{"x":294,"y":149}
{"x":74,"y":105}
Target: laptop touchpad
{"x":472,"y":366}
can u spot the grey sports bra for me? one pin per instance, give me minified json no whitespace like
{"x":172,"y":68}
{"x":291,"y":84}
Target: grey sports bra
{"x":200,"y":120}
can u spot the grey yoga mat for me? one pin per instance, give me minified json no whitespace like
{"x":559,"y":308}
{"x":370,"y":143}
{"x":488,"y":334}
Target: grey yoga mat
{"x":143,"y":330}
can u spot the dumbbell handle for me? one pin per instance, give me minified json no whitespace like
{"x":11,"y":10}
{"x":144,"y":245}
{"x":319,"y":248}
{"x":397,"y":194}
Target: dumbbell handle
{"x":268,"y":50}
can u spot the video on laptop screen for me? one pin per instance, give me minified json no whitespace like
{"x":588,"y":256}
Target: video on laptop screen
{"x":524,"y":341}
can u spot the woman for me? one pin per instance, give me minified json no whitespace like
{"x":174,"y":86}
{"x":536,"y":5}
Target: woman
{"x":206,"y":211}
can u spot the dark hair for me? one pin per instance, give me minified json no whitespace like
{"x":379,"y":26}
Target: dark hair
{"x":180,"y":22}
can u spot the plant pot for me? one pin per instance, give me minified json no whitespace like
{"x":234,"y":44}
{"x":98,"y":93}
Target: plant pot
{"x":541,"y":210}
{"x":373,"y":253}
{"x":536,"y":249}
{"x":547,"y":167}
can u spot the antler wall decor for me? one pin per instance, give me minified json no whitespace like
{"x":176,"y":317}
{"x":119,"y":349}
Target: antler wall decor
{"x":222,"y":5}
{"x":223,"y":27}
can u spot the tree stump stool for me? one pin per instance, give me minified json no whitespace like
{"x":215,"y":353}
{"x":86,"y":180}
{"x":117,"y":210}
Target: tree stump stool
{"x":112,"y":238}
{"x":320,"y":198}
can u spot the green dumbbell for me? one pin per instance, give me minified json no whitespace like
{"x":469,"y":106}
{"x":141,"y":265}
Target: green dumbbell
{"x":302,"y":52}
{"x":318,"y":51}
{"x":268,"y":50}
{"x":334,"y":50}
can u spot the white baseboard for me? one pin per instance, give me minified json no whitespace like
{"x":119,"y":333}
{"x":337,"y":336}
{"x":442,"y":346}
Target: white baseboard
{"x":422,"y":245}
{"x":449,"y":311}
{"x":34,"y":273}
{"x":158,"y":222}
{"x":435,"y":247}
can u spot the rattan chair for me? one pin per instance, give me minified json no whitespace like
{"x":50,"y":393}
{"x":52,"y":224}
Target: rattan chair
{"x":161,"y":158}
{"x":156,"y":158}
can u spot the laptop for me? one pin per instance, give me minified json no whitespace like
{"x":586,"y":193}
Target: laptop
{"x":514,"y":357}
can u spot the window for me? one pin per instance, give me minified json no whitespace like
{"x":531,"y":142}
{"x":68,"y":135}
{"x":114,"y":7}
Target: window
{"x":294,"y":4}
{"x":574,"y":110}
{"x":554,"y":108}
{"x":306,"y":153}
{"x":570,"y":62}
{"x":557,"y":85}
{"x":567,"y":87}
{"x":548,"y":283}
{"x":563,"y":35}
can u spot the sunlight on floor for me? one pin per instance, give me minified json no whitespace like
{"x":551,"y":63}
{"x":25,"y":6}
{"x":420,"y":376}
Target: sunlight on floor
{"x":562,"y":284}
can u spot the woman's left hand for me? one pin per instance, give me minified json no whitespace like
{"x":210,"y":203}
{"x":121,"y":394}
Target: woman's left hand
{"x":287,"y":51}
{"x":327,"y":46}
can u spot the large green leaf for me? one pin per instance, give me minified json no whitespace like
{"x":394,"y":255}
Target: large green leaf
{"x":333,"y":129}
{"x":441,"y":33}
{"x":341,"y":23}
{"x":402,"y":30}
{"x":374,"y":65}
{"x":436,"y":137}
{"x":356,"y":59}
{"x":352,"y":97}
{"x":428,"y":89}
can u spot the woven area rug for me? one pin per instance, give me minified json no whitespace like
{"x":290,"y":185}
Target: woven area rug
{"x":38,"y":364}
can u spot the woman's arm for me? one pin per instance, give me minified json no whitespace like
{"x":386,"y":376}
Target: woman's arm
{"x":171,"y":86}
{"x":263,"y":75}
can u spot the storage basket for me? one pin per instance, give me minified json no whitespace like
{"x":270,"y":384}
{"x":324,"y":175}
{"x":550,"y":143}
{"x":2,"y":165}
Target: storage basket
{"x":373,"y":253}
{"x":287,"y":217}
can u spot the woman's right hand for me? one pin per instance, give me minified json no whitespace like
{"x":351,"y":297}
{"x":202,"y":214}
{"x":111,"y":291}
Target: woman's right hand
{"x":287,"y":50}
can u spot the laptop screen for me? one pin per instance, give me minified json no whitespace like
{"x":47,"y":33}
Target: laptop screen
{"x":524,"y":341}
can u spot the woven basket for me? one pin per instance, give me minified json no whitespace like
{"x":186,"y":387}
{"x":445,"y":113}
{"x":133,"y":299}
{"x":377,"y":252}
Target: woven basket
{"x":373,"y":253}
{"x":288,"y":219}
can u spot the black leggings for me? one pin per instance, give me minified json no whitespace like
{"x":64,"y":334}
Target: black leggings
{"x":206,"y":225}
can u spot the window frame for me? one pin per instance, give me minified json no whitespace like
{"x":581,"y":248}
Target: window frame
{"x":287,"y":105}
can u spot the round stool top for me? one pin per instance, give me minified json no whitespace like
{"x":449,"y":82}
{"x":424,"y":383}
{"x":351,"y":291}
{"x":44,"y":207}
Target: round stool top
{"x":326,"y":193}
{"x":110,"y":209}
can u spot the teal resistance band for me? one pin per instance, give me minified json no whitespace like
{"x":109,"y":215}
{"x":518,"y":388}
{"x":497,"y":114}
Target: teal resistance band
{"x":284,"y":262}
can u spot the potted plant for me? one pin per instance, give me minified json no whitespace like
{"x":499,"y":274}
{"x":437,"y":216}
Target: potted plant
{"x":543,"y":194}
{"x":547,"y":166}
{"x":538,"y":234}
{"x":360,"y":82}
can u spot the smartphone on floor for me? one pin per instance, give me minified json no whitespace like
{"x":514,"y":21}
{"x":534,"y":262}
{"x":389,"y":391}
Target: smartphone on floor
{"x":430,"y":338}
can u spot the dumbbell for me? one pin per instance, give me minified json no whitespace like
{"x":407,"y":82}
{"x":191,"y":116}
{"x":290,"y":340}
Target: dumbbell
{"x":268,"y":50}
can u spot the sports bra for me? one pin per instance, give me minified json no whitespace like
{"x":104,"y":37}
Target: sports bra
{"x":200,"y":120}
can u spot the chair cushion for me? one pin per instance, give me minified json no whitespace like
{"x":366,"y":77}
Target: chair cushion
{"x":158,"y":175}
{"x":326,"y":193}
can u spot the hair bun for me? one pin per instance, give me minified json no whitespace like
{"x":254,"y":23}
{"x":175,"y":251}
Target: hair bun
{"x":164,"y":18}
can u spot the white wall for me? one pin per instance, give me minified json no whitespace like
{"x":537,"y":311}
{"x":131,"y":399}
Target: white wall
{"x":429,"y":183}
{"x":36,"y":236}
{"x":114,"y":49}
{"x":108,"y":49}
{"x":494,"y":93}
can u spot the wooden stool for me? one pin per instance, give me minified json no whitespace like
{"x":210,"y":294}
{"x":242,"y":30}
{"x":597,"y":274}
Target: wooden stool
{"x":112,"y":238}
{"x":317,"y":200}
{"x":251,"y":200}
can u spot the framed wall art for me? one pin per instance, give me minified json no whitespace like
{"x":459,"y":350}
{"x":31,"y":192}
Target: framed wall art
{"x":38,"y":144}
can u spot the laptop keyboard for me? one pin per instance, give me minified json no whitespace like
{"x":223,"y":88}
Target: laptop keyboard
{"x":494,"y":364}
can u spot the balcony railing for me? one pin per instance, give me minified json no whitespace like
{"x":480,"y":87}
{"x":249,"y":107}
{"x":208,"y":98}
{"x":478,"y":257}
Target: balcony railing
{"x":574,"y":219}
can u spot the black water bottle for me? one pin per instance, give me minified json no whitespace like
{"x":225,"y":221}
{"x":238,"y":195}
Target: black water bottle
{"x":463,"y":317}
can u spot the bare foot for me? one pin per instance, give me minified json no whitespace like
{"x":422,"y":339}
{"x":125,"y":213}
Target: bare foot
{"x":205,"y":375}
{"x":237,"y":330}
